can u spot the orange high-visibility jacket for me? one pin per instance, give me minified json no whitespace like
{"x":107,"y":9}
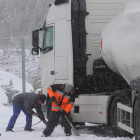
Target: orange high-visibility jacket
{"x":68,"y":100}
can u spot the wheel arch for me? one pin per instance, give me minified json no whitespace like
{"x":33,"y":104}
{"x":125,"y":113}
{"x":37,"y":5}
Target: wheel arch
{"x":125,"y":94}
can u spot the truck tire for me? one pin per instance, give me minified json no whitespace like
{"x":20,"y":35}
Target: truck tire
{"x":113,"y":118}
{"x":137,"y":120}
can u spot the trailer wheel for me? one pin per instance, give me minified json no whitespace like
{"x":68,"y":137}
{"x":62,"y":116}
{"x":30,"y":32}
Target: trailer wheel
{"x":113,"y":118}
{"x":137,"y":120}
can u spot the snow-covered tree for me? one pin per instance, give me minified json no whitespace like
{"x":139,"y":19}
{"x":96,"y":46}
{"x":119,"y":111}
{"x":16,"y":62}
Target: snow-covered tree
{"x":36,"y":83}
{"x":9,"y":91}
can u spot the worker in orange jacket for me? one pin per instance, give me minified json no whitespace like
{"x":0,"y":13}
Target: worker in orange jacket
{"x":61,"y":95}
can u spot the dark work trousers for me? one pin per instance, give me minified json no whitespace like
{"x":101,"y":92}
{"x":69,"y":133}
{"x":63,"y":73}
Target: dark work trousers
{"x":53,"y":121}
{"x":16,"y":112}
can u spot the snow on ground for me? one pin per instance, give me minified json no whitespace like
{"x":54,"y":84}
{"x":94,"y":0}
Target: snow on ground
{"x":20,"y":134}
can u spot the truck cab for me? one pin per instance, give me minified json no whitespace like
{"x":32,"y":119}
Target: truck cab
{"x":72,"y":36}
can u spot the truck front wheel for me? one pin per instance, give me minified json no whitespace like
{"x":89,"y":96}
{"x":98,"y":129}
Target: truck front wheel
{"x":113,"y":117}
{"x":137,"y":120}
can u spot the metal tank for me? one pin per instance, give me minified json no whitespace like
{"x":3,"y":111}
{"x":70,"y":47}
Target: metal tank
{"x":120,"y":44}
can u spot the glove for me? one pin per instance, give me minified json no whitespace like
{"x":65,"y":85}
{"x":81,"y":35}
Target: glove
{"x":45,"y":122}
{"x":53,"y":99}
{"x":63,"y":113}
{"x":35,"y":114}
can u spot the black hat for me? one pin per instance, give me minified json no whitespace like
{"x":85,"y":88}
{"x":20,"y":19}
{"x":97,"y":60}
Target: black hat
{"x":43,"y":98}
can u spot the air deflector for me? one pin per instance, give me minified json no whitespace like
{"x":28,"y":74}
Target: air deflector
{"x":58,"y":2}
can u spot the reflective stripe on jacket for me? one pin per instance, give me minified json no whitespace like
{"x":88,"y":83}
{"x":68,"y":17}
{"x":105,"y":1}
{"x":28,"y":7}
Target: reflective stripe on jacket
{"x":68,"y":100}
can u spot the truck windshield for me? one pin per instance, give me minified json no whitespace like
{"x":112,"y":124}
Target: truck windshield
{"x":48,"y":40}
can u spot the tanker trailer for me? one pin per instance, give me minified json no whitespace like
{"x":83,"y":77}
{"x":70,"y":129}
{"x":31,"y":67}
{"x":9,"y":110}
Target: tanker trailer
{"x":120,"y":50}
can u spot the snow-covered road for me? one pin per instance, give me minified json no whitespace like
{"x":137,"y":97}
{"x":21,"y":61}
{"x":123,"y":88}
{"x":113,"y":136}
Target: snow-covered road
{"x":20,"y":134}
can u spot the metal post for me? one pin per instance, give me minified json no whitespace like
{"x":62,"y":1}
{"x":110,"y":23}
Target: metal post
{"x":23,"y":64}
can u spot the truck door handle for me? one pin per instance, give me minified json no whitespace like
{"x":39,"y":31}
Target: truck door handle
{"x":52,"y":72}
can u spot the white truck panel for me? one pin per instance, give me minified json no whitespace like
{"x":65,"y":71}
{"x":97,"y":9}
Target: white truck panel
{"x":92,"y":108}
{"x":57,"y":13}
{"x":106,"y":6}
{"x":60,"y":38}
{"x":46,"y":72}
{"x":70,"y":53}
{"x":61,"y":67}
{"x":100,"y":13}
{"x":61,"y":50}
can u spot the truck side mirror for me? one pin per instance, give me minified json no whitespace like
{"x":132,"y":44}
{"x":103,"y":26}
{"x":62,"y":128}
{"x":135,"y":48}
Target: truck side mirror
{"x":35,"y":38}
{"x":35,"y":51}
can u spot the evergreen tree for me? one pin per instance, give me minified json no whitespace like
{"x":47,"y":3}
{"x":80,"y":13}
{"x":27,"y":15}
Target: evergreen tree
{"x":9,"y":91}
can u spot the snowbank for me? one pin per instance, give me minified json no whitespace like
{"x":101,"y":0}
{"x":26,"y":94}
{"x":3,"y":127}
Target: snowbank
{"x":5,"y":77}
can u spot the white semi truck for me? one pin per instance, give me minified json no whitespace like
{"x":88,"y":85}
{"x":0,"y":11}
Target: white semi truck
{"x":104,"y":69}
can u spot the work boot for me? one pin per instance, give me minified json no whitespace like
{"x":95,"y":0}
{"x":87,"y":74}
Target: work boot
{"x":43,"y":135}
{"x":68,"y":134}
{"x":9,"y":130}
{"x":28,"y":129}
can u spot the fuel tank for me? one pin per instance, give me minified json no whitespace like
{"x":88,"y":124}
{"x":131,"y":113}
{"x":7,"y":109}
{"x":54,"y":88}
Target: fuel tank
{"x":120,"y":44}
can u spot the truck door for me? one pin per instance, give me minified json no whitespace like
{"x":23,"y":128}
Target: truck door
{"x":47,"y":59}
{"x":61,"y":54}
